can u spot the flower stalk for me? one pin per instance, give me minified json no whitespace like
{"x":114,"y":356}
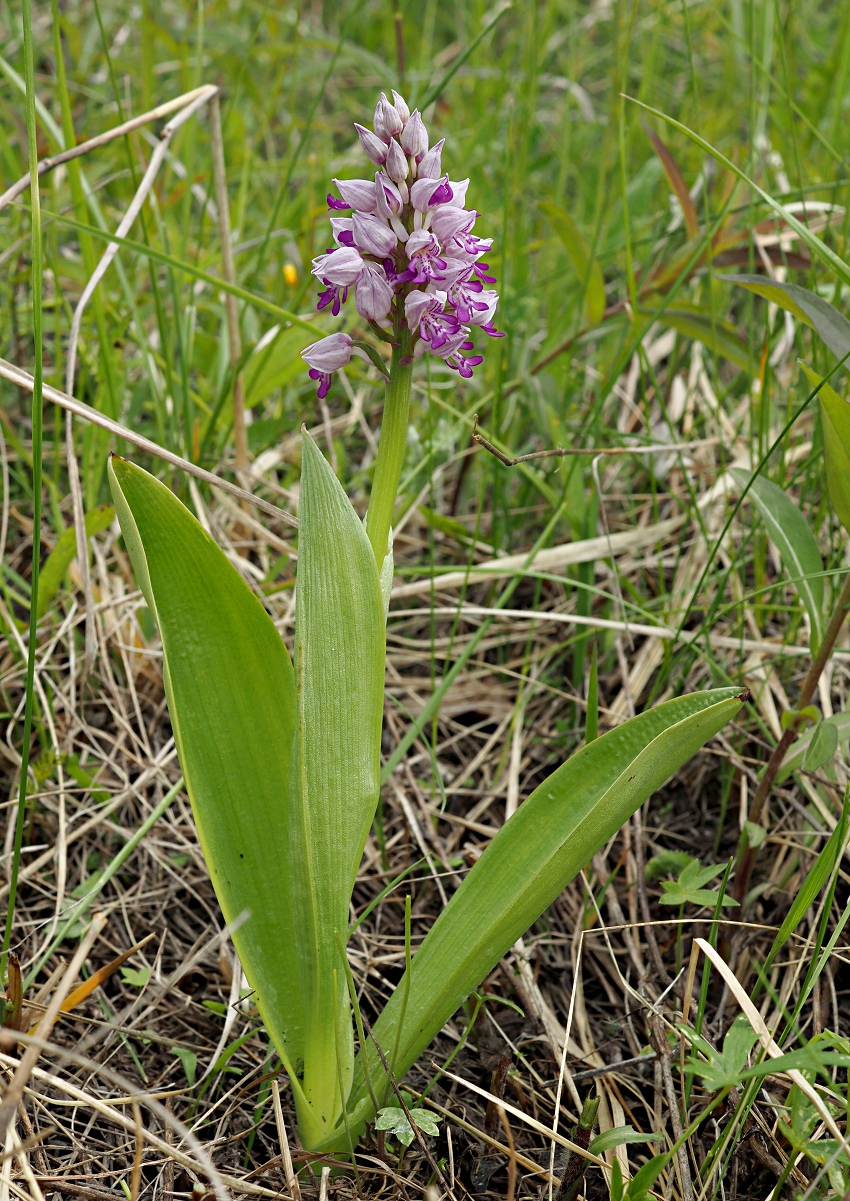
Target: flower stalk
{"x":391,"y":449}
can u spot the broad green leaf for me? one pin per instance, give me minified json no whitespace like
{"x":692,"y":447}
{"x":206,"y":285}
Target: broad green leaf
{"x":794,"y":759}
{"x":544,"y":845}
{"x":339,"y":665}
{"x":835,"y":417}
{"x":806,"y":306}
{"x":59,"y":560}
{"x":579,"y":251}
{"x":822,"y":747}
{"x":232,"y":701}
{"x":283,"y":779}
{"x":716,"y":335}
{"x":789,"y":531}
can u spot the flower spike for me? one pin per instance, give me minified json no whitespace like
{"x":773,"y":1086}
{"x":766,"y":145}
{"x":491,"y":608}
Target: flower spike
{"x":407,"y":250}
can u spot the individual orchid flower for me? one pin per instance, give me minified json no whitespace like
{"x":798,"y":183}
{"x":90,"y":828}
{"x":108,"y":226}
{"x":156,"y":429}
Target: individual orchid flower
{"x":407,"y":246}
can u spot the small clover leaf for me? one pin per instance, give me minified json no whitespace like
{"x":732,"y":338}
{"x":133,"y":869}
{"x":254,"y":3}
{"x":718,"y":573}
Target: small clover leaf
{"x":724,"y":1068}
{"x":395,"y":1122}
{"x":689,"y":886}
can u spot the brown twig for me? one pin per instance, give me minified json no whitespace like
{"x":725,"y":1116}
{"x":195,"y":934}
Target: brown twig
{"x":747,"y":854}
{"x":435,"y":1167}
{"x":560,"y":452}
{"x":658,"y":1037}
{"x":24,"y":380}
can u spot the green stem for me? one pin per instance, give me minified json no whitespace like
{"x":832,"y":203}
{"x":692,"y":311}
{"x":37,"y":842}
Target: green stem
{"x":29,"y":73}
{"x":391,"y":448}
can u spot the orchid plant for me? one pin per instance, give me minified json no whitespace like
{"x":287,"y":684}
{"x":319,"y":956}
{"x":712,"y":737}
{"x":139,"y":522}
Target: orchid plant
{"x":282,"y":760}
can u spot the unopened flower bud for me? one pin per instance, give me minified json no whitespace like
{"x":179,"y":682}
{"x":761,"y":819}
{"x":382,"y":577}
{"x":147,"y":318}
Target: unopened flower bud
{"x":400,"y":106}
{"x":374,"y":149}
{"x":414,"y":137}
{"x":429,"y":164}
{"x":397,"y":165}
{"x":373,"y":236}
{"x":387,"y":196}
{"x":372,"y":294}
{"x":342,"y":267}
{"x":427,"y":192}
{"x":387,"y":121}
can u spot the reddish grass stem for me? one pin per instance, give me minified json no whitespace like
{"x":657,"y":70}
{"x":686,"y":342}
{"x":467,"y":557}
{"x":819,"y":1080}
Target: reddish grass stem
{"x":746,"y":853}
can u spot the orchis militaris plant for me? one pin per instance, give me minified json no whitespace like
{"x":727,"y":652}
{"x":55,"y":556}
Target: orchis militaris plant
{"x":410,"y":255}
{"x":282,"y":760}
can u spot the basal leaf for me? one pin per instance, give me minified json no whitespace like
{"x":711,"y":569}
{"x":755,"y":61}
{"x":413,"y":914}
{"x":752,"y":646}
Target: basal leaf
{"x":580,"y":255}
{"x":232,"y":701}
{"x":835,"y":416}
{"x":544,"y":845}
{"x":790,"y":533}
{"x":808,"y":307}
{"x":339,"y":666}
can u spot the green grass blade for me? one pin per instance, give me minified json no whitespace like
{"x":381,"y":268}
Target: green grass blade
{"x":581,"y":257}
{"x":59,"y":560}
{"x":544,"y":845}
{"x":232,"y":701}
{"x":835,"y":415}
{"x":790,"y":533}
{"x":37,"y":416}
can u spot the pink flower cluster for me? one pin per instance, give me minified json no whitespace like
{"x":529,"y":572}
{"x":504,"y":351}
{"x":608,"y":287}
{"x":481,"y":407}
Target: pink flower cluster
{"x":407,"y":250}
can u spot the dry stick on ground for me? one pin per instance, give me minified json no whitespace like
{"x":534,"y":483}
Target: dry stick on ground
{"x":435,"y":1167}
{"x":559,"y":452}
{"x":746,"y":853}
{"x":28,"y":1061}
{"x":24,"y":380}
{"x":285,"y":1154}
{"x":102,"y":139}
{"x":201,"y":97}
{"x":658,"y":1036}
